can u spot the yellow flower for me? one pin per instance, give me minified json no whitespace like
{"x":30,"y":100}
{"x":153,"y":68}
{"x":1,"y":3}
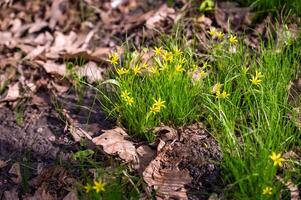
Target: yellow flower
{"x":153,"y":70}
{"x":88,"y":188}
{"x":277,"y":159}
{"x":125,"y":95}
{"x":222,"y":95}
{"x":137,"y":70}
{"x":212,"y":32}
{"x":99,"y":186}
{"x":168,"y":56}
{"x":158,"y":51}
{"x":179,"y":68}
{"x":114,"y":58}
{"x":122,"y":71}
{"x":233,"y":39}
{"x":177,"y":51}
{"x":203,"y":74}
{"x":267,"y":190}
{"x":163,"y":67}
{"x":220,"y":35}
{"x":216,"y":88}
{"x":156,"y":107}
{"x":255,"y":80}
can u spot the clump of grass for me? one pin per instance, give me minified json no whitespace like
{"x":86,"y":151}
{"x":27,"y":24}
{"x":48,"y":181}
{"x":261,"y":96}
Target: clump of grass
{"x":166,"y":88}
{"x":273,"y":5}
{"x":251,"y":123}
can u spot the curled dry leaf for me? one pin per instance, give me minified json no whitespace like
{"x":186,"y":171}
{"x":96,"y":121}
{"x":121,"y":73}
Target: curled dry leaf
{"x":53,"y":68}
{"x":113,"y":142}
{"x":92,"y":72}
{"x":15,"y":170}
{"x":169,"y":183}
{"x":162,"y":14}
{"x":13,"y":93}
{"x":11,"y":194}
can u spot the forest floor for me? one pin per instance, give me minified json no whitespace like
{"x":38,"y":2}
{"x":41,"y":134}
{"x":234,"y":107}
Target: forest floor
{"x":48,"y":121}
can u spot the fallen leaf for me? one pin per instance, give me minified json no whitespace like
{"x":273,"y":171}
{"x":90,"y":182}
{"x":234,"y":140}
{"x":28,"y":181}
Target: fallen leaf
{"x":113,"y":142}
{"x":71,"y":196}
{"x":293,"y":188}
{"x":11,"y":194}
{"x":40,"y":194}
{"x":146,"y":155}
{"x":58,"y":8}
{"x":92,"y":72}
{"x":37,"y":26}
{"x":168,"y":183}
{"x":229,"y":13}
{"x":15,"y":170}
{"x":2,"y":163}
{"x":13,"y":93}
{"x":53,"y":68}
{"x":162,"y":14}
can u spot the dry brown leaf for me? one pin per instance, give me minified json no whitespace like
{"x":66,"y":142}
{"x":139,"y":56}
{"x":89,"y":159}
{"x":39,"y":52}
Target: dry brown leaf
{"x":168,"y":183}
{"x":11,"y":194}
{"x":162,"y":14}
{"x":13,"y":93}
{"x":15,"y":170}
{"x":113,"y":142}
{"x":36,"y":52}
{"x":2,"y":163}
{"x":57,"y":12}
{"x":53,"y":68}
{"x":40,"y":194}
{"x":293,"y":188}
{"x":74,"y":129}
{"x":230,"y":16}
{"x":92,"y":72}
{"x":146,"y":155}
{"x":37,"y":26}
{"x":71,"y":196}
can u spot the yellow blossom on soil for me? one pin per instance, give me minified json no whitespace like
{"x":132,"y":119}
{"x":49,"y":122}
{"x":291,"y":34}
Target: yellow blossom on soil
{"x":277,"y":159}
{"x":233,"y":39}
{"x":99,"y":186}
{"x":267,"y":190}
{"x":156,"y":107}
{"x":114,"y":58}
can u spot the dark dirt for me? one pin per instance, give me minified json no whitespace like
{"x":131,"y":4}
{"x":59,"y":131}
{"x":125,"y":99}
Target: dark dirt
{"x":41,"y":143}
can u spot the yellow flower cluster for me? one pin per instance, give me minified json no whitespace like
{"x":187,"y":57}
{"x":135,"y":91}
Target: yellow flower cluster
{"x":125,"y":95}
{"x":217,"y":91}
{"x":121,"y":71}
{"x":156,"y":107}
{"x":214,"y":33}
{"x":256,"y":80}
{"x":98,"y":186}
{"x":278,"y":160}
